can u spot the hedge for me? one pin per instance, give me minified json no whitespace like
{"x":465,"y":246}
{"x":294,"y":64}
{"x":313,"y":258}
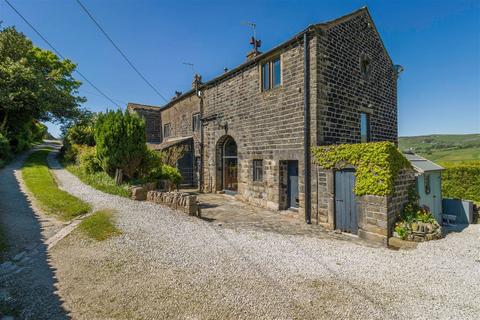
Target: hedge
{"x":461,"y":180}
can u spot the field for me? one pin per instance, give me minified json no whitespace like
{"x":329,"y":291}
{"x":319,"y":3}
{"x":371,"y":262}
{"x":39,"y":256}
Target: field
{"x":444,"y":148}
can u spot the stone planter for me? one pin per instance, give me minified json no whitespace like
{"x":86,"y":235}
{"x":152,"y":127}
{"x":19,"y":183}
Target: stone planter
{"x":421,"y":231}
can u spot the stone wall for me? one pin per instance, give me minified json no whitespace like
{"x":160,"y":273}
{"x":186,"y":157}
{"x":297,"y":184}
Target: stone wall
{"x":179,"y":114}
{"x":176,"y":200}
{"x":153,"y":122}
{"x":376,"y":214}
{"x":344,"y":92}
{"x":266,"y":125}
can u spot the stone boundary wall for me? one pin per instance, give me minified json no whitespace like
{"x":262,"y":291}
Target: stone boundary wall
{"x":176,"y":200}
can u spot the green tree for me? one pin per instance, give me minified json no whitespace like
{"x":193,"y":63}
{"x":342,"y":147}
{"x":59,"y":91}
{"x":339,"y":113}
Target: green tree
{"x":121,"y":142}
{"x":34,"y":84}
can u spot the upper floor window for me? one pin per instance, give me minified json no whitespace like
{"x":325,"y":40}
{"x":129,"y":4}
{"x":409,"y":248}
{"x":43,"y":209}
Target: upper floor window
{"x":167,"y":130}
{"x":257,"y":170}
{"x":196,"y":122}
{"x":364,"y":127}
{"x":271,"y":74}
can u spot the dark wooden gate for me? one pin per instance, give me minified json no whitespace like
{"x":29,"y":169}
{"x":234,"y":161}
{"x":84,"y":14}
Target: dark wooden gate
{"x":345,"y":203}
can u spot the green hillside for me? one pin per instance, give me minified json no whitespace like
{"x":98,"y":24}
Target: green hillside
{"x":444,"y":148}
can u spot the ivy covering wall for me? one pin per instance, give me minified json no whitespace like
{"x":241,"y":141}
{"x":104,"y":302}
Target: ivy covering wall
{"x":377,"y":164}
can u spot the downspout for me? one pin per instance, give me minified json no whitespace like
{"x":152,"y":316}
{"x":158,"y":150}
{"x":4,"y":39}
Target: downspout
{"x":199,"y":93}
{"x":202,"y":143}
{"x":306,"y":132}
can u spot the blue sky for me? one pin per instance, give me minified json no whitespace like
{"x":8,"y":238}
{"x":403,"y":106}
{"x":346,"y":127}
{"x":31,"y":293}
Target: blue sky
{"x":438,"y":43}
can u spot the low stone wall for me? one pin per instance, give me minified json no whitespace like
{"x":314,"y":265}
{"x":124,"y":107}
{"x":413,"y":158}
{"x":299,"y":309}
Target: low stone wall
{"x":377,"y":214}
{"x":176,"y":200}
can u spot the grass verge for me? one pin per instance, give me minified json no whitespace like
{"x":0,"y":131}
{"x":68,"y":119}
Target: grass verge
{"x":99,"y":180}
{"x":42,"y":185}
{"x":99,"y":225}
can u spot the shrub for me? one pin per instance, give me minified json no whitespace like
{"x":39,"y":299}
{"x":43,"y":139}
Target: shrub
{"x":87,"y":159}
{"x":39,"y":131}
{"x":172,"y":154}
{"x":461,"y":180}
{"x":70,"y":152}
{"x":120,"y":139}
{"x":5,"y":152}
{"x":150,"y":169}
{"x":81,"y":134}
{"x":21,"y":140}
{"x":172,"y":175}
{"x":377,"y":164}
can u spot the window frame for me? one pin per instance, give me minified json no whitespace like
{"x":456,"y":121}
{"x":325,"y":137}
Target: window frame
{"x":427,"y":183}
{"x":196,"y":123}
{"x":268,"y":82}
{"x":265,"y":67}
{"x":257,"y":170}
{"x":368,"y":135}
{"x":272,"y":72}
{"x":165,"y":126}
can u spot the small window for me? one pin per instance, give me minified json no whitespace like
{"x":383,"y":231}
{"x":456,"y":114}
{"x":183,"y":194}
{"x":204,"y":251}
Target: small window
{"x":427,"y":184}
{"x":271,"y":74}
{"x":276,"y":72}
{"x":364,"y":127}
{"x":196,"y":122}
{"x":266,"y":76}
{"x":365,"y":67}
{"x":257,"y":170}
{"x":167,"y":130}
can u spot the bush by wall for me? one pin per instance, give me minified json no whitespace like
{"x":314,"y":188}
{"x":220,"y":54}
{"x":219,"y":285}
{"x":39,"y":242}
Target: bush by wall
{"x":87,"y":159}
{"x":461,"y":180}
{"x":377,"y":164}
{"x":121,"y":142}
{"x":172,"y":175}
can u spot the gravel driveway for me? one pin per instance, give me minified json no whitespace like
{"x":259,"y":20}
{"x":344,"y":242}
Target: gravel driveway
{"x":167,"y":265}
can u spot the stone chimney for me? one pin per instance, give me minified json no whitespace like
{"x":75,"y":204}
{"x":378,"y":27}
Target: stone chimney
{"x":197,"y":81}
{"x":256,"y":44}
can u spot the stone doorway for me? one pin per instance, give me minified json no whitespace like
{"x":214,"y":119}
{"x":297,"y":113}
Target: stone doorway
{"x":227,"y":165}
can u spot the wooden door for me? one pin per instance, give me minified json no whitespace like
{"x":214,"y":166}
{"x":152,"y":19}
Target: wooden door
{"x":345,"y":203}
{"x":293,"y":200}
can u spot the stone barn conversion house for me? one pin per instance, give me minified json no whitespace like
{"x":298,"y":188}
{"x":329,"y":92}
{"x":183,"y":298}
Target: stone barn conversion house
{"x":249,"y":131}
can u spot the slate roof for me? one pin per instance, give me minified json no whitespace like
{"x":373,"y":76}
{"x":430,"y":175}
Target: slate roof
{"x":421,"y":164}
{"x":168,"y":143}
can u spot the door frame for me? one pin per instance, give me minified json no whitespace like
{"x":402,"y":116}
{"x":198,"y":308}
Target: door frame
{"x":221,"y":163}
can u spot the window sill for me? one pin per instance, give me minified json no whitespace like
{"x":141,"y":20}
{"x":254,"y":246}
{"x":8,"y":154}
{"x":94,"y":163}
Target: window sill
{"x":272,"y":90}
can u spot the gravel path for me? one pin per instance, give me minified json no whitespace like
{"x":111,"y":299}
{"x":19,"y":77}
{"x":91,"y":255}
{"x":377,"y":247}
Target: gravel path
{"x":167,"y":265}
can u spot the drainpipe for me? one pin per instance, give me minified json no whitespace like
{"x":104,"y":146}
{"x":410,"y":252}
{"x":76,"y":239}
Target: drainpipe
{"x":306,"y":132}
{"x":202,"y":144}
{"x":200,"y":94}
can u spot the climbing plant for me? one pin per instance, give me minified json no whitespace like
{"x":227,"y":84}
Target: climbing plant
{"x":377,"y":164}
